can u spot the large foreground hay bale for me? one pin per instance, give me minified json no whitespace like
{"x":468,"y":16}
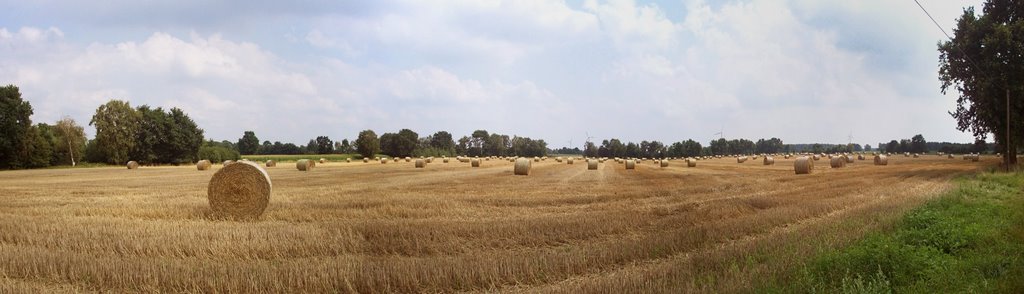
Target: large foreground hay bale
{"x":271,"y":163}
{"x":203,"y":164}
{"x":592,"y":164}
{"x":881,"y":160}
{"x":241,"y":190}
{"x":522,"y":167}
{"x":631,"y":164}
{"x":803,"y":165}
{"x":420,"y":163}
{"x":475,"y":162}
{"x":768,"y":160}
{"x":304,"y":165}
{"x":838,"y":162}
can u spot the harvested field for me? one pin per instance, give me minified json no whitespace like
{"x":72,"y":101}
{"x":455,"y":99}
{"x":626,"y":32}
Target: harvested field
{"x":718,"y":227}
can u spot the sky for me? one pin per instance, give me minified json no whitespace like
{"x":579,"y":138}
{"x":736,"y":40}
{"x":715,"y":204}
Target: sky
{"x":804,"y":71}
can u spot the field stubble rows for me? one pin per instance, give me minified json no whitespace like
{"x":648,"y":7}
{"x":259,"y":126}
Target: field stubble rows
{"x":370,"y":227}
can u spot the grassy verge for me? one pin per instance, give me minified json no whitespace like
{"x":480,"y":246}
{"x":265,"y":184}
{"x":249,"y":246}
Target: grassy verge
{"x":295,"y":157}
{"x":968,"y":240}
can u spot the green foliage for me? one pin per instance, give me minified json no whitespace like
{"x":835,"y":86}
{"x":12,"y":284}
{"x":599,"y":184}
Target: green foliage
{"x":69,"y":145}
{"x":38,"y":149}
{"x":218,"y":154}
{"x":166,"y":137}
{"x":324,"y":145}
{"x":15,"y":124}
{"x":918,"y":144}
{"x":117,"y":125}
{"x":296,"y":157}
{"x":248,"y":144}
{"x":367,"y":144}
{"x":432,"y":151}
{"x":968,"y":240}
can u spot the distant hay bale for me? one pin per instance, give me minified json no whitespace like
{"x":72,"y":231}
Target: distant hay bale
{"x":366,"y":160}
{"x":271,"y":163}
{"x":592,"y":164}
{"x":444,"y":160}
{"x":383,"y":161}
{"x":768,"y":160}
{"x":304,"y":165}
{"x":429,"y":159}
{"x":691,"y":162}
{"x":240,"y":190}
{"x":816,"y":157}
{"x":475,"y":162}
{"x":664,"y":163}
{"x":228,"y":162}
{"x":323,"y":160}
{"x":741,"y":159}
{"x":950,"y":156}
{"x":786,"y":156}
{"x":522,"y":167}
{"x":915,"y":155}
{"x":838,"y":162}
{"x":631,"y":164}
{"x":568,"y":161}
{"x":407,"y":159}
{"x":881,"y":160}
{"x":849,"y":158}
{"x":536,"y":159}
{"x":203,"y":164}
{"x":975,"y":157}
{"x":803,"y":165}
{"x":421,"y":163}
{"x":860,"y":156}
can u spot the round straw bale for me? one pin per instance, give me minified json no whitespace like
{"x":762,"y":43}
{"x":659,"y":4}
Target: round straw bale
{"x":741,"y":159}
{"x":664,"y":163}
{"x":366,"y":160}
{"x":383,"y":161}
{"x":631,"y":164}
{"x":203,"y":164}
{"x":592,"y":164}
{"x":323,"y":160}
{"x":817,"y":157}
{"x":407,"y":159}
{"x":271,"y":163}
{"x":568,"y":161}
{"x":348,"y":160}
{"x":429,"y":159}
{"x":975,"y":157}
{"x":228,"y":162}
{"x":881,"y":160}
{"x":304,"y":165}
{"x":691,"y":162}
{"x":849,"y":158}
{"x":860,"y":156}
{"x":838,"y":162}
{"x":786,"y":157}
{"x":444,"y":160}
{"x":522,"y":167}
{"x":240,"y":190}
{"x":768,"y":160}
{"x":475,"y":162}
{"x":915,"y":155}
{"x":950,"y":156}
{"x":803,"y":165}
{"x":421,"y":163}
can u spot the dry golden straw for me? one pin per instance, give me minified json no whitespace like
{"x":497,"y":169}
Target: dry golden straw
{"x":241,"y":190}
{"x":803,"y":165}
{"x":881,"y":160}
{"x":838,"y":162}
{"x":631,"y":164}
{"x":203,"y":164}
{"x":475,"y":162}
{"x":691,"y":162}
{"x":768,"y":160}
{"x":592,"y":164}
{"x":664,"y":163}
{"x":522,"y":167}
{"x":303,"y":165}
{"x":420,"y":163}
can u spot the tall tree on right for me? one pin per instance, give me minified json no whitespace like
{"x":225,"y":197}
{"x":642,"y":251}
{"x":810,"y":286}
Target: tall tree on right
{"x":985,"y":63}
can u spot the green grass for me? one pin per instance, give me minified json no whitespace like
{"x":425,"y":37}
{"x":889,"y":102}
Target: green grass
{"x":296,"y":157}
{"x":968,"y":240}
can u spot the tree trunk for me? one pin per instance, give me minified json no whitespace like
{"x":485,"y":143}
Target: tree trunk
{"x":71,"y":151}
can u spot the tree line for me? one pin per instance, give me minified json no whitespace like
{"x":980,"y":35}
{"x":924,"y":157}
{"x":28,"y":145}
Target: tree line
{"x":24,"y":145}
